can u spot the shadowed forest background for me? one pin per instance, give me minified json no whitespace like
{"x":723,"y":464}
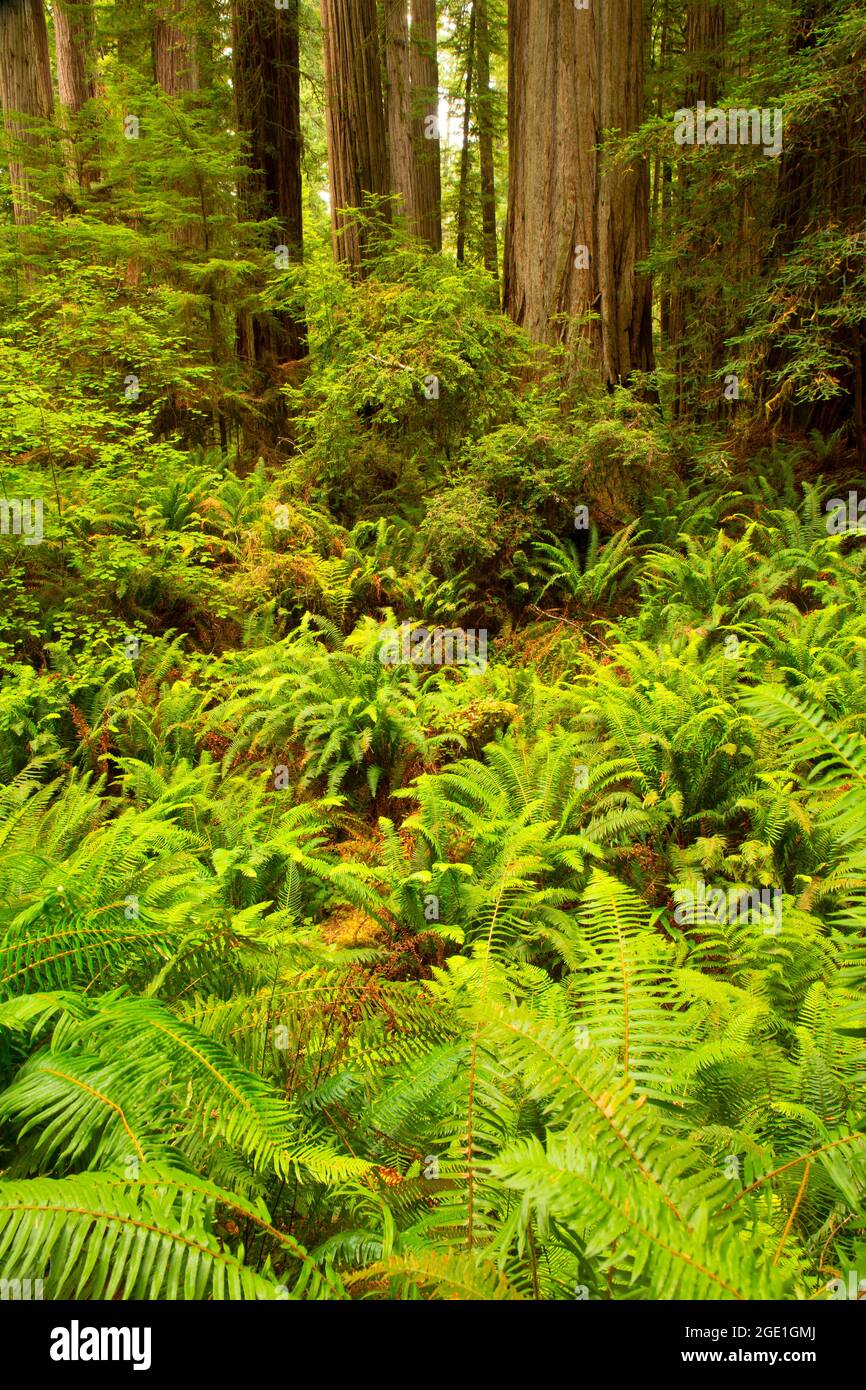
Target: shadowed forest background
{"x":331,"y":974}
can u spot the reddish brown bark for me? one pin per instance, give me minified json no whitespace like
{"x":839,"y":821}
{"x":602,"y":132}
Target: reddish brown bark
{"x":485,"y":140}
{"x":704,"y":64}
{"x":266,"y":74}
{"x":76,"y":77}
{"x":425,"y":105}
{"x":355,"y":126}
{"x":175,"y":63}
{"x":578,"y":224}
{"x":463,"y":180}
{"x":25,"y":91}
{"x":398,"y":102}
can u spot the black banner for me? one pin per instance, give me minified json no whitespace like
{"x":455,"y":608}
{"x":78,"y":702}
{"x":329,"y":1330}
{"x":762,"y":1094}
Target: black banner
{"x":87,"y":1341}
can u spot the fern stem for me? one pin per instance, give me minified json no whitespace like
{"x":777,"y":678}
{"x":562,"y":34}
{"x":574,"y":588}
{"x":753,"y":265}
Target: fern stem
{"x":797,"y":1200}
{"x":801,"y":1158}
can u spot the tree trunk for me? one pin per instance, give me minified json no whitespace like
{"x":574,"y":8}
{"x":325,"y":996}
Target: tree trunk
{"x":76,"y":78}
{"x":662,"y":175}
{"x":822,"y":177}
{"x":175,"y":64}
{"x":706,"y":28}
{"x":73,"y":30}
{"x":267,"y":88}
{"x":623,"y":209}
{"x":485,"y":141}
{"x":463,"y":187}
{"x":355,"y":127}
{"x":424,"y":65}
{"x":401,"y":144}
{"x":175,"y":67}
{"x":577,"y":224}
{"x":705,"y":33}
{"x":25,"y":90}
{"x":806,"y":168}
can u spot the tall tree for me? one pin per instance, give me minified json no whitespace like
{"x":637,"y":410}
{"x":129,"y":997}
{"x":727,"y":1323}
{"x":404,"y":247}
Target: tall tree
{"x":401,"y":145}
{"x":76,"y":77}
{"x":577,"y":224}
{"x":662,"y":170}
{"x":355,"y":125}
{"x":485,"y":138}
{"x":424,"y":64}
{"x":267,"y":87}
{"x":463,"y":180}
{"x":175,"y":49}
{"x":623,"y":197}
{"x":175,"y":61}
{"x":705,"y":30}
{"x":176,"y":70}
{"x":817,"y":223}
{"x":25,"y":91}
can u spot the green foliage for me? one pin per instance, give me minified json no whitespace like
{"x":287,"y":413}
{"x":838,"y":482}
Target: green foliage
{"x":364,"y":979}
{"x":325,"y":975}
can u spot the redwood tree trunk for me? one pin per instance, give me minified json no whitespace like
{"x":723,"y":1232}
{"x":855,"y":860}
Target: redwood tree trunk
{"x":485,"y":140}
{"x":463,"y":184}
{"x":267,"y":87}
{"x":76,"y":77}
{"x":705,"y":32}
{"x":175,"y":64}
{"x":623,"y":212}
{"x":425,"y":104}
{"x":661,"y":195}
{"x":810,"y":176}
{"x":73,"y":29}
{"x":175,"y":68}
{"x":25,"y":89}
{"x":401,"y":145}
{"x":821,"y":183}
{"x":355,"y":125}
{"x":577,"y":224}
